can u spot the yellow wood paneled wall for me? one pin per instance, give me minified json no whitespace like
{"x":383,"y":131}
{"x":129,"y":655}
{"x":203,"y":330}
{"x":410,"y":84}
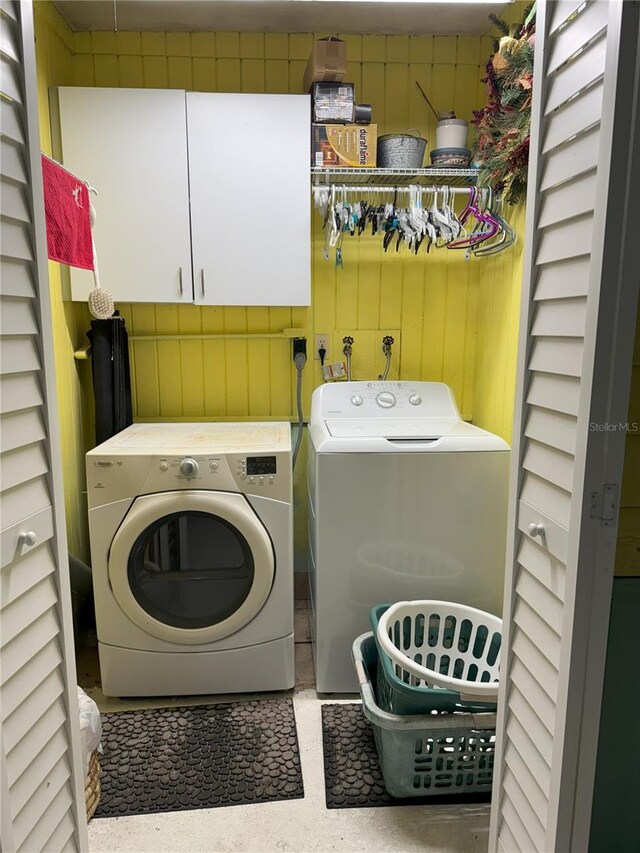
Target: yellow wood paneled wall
{"x":432,"y":300}
{"x":54,"y":58}
{"x":498,"y":321}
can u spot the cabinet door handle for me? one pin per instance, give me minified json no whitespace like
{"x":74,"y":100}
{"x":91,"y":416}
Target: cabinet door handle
{"x":181,"y":283}
{"x":202,"y":281}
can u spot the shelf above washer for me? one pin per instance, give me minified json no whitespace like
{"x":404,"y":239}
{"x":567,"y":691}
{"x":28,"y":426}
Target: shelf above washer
{"x":431,"y":176}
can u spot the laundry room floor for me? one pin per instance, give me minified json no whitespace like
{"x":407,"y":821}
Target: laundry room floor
{"x":294,"y":825}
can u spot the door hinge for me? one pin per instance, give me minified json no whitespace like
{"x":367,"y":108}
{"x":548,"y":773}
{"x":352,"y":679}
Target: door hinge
{"x":603,"y":504}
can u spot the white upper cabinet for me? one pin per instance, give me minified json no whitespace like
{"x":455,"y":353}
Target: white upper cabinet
{"x":244,"y":161}
{"x":131,"y":145}
{"x":250,"y":209}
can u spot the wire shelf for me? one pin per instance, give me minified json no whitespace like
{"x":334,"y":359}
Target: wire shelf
{"x":431,"y":176}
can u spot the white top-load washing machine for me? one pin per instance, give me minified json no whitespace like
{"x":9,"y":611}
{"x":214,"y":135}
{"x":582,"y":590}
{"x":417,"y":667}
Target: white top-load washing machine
{"x":191,"y":544}
{"x":407,"y":501}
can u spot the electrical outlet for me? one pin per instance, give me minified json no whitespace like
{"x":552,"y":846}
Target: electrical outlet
{"x":322,"y":342}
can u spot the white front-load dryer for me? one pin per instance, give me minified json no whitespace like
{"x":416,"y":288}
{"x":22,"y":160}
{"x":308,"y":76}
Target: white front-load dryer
{"x":191,"y":545}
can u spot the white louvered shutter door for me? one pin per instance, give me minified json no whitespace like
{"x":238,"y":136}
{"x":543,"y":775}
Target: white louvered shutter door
{"x":571,"y":372}
{"x":41,"y":785}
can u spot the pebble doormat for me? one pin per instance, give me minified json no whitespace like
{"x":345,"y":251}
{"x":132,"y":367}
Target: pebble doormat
{"x":352,"y":774}
{"x":175,"y":759}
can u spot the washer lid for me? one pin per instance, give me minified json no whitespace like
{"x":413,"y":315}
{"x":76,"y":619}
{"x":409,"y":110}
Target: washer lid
{"x":414,"y":429}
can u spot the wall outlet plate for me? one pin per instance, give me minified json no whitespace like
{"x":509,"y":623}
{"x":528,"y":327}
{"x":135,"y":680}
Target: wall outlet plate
{"x":321,"y":342}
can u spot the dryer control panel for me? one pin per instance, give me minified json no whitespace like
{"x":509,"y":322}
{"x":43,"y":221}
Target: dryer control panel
{"x":111,"y":478}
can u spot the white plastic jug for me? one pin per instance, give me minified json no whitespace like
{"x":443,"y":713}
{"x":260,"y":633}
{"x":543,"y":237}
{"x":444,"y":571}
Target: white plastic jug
{"x":452,"y":133}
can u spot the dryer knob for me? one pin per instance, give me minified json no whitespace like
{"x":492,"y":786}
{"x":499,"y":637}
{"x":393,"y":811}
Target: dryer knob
{"x":357,"y":400}
{"x":189,"y":467}
{"x":386,"y":399}
{"x":415,"y":399}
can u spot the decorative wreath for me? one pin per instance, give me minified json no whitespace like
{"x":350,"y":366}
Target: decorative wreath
{"x":502,"y":144}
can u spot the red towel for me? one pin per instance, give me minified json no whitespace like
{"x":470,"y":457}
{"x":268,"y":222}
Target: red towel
{"x":66,"y":207}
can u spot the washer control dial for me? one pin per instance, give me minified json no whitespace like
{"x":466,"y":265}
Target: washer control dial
{"x":415,"y":399}
{"x":386,"y":399}
{"x":164,"y":466}
{"x":214,"y":465}
{"x":189,"y":467}
{"x":357,"y":400}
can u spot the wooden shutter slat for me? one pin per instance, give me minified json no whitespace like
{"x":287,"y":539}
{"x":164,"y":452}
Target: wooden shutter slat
{"x":21,"y":573}
{"x":35,"y":824}
{"x":551,"y":391}
{"x":41,"y":768}
{"x":20,"y":428}
{"x":15,"y":278}
{"x":34,"y":495}
{"x":575,"y":117}
{"x":573,"y":159}
{"x":33,"y":673}
{"x":524,"y":804}
{"x":19,"y":354}
{"x":17,"y":654}
{"x":18,"y":616}
{"x":24,"y":752}
{"x":546,"y":498}
{"x":20,"y":392}
{"x":557,"y":355}
{"x":552,"y":465}
{"x":15,"y":241}
{"x":17,"y":317}
{"x":580,"y":31}
{"x":563,"y":279}
{"x":19,"y":466}
{"x":560,"y":317}
{"x":14,"y":203}
{"x":547,"y":606}
{"x":561,"y":12}
{"x":536,"y":663}
{"x":568,"y":200}
{"x":534,"y":694}
{"x":523,"y":839}
{"x":9,"y":39}
{"x":62,"y":836}
{"x":12,"y":164}
{"x":10,"y":80}
{"x":565,"y":240}
{"x":584,"y":71}
{"x":553,"y":428}
{"x":532,"y":723}
{"x":528,"y":620}
{"x":537,"y":560}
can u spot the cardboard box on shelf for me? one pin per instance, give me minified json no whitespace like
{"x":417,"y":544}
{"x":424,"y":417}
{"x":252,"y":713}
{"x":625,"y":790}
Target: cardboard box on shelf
{"x":350,"y":145}
{"x":333,"y":102}
{"x":328,"y":61}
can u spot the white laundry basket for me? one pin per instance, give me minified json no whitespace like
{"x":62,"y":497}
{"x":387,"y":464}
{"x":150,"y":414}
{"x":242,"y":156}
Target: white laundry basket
{"x":442,"y":644}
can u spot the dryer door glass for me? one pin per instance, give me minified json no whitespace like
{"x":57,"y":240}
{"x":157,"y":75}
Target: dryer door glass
{"x":191,"y":569}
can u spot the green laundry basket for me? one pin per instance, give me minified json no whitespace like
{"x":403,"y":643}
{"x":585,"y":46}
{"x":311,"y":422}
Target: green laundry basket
{"x":427,"y":755}
{"x":400,"y":696}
